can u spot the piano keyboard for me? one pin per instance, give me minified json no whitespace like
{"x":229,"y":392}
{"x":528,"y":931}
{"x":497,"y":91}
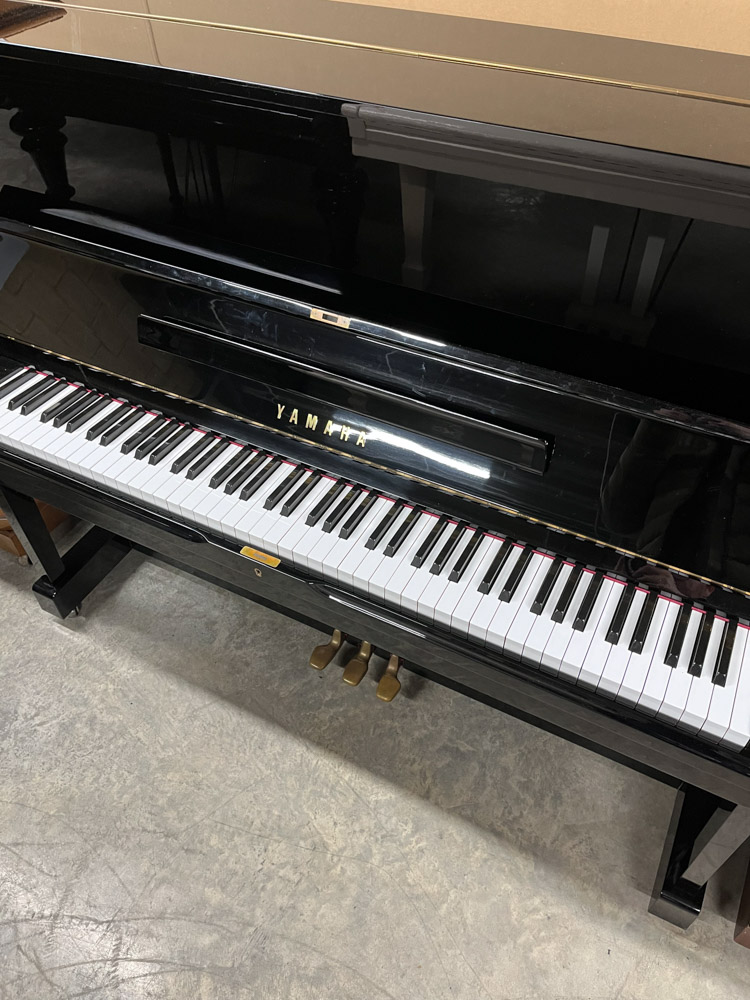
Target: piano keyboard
{"x":673,"y":660}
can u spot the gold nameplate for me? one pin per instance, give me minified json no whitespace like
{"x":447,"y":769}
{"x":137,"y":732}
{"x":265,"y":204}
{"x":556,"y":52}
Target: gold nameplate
{"x":313,"y":422}
{"x":333,"y":318}
{"x":261,"y":557}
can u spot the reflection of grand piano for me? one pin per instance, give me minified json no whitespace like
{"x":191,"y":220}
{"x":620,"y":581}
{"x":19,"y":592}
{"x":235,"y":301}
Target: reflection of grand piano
{"x":526,"y":476}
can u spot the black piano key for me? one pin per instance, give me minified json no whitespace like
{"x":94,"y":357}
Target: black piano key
{"x":340,"y":510}
{"x":678,"y":635}
{"x":322,"y":506}
{"x":592,"y":592}
{"x":48,"y":391}
{"x":220,"y":445}
{"x":441,"y":560}
{"x":384,"y":525}
{"x":105,"y":423}
{"x":644,"y":623}
{"x":549,"y":581}
{"x":243,"y":474}
{"x":725,"y":653}
{"x":698,"y":659}
{"x":161,"y":435}
{"x":356,"y":517}
{"x":501,"y":557}
{"x":93,"y":407}
{"x":293,"y":502}
{"x":433,"y":536}
{"x":170,"y":444}
{"x":403,"y":531}
{"x":191,"y":454}
{"x":464,"y":560}
{"x":131,"y":443}
{"x":567,"y":594}
{"x":53,"y":411}
{"x":286,"y":484}
{"x":27,"y":394}
{"x":235,"y":461}
{"x":261,"y":477}
{"x":514,"y":577}
{"x":15,"y":380}
{"x":74,"y":407}
{"x":621,"y":613}
{"x":123,"y":423}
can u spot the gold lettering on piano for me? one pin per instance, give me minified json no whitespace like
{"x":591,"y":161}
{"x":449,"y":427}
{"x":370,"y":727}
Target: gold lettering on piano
{"x":312,"y":422}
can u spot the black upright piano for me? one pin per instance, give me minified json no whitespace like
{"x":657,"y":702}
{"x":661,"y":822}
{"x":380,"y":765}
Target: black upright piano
{"x":428,"y":330}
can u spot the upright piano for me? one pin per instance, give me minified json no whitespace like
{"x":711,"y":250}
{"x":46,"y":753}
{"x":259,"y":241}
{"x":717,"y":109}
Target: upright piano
{"x":426,"y":329}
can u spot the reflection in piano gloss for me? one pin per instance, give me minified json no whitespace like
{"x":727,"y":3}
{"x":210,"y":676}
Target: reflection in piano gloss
{"x":412,"y":449}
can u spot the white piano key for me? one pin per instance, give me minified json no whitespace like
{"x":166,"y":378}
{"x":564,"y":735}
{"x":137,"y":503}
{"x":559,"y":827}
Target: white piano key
{"x":723,"y":697}
{"x":699,"y":698}
{"x":314,"y":534}
{"x":485,"y":610}
{"x":382,"y":576}
{"x":347,"y":553}
{"x":454,"y":592}
{"x":318,"y":557}
{"x":738,"y":732}
{"x":246,"y":529}
{"x":403,"y":570}
{"x":593,"y":663}
{"x":562,"y":632}
{"x":619,"y":654}
{"x":374,"y":558}
{"x":282,"y":536}
{"x":506,"y":611}
{"x":657,"y":678}
{"x":357,"y":551}
{"x":680,"y":681}
{"x":579,"y":647}
{"x":636,"y":671}
{"x":467,"y":604}
{"x":438,"y":583}
{"x":541,"y":629}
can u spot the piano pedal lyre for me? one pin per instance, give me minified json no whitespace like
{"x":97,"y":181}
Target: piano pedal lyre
{"x":389,"y":684}
{"x":322,"y":655}
{"x":357,"y":666}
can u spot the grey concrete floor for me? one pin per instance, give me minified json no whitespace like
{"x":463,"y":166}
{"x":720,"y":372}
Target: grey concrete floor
{"x":188,"y":811}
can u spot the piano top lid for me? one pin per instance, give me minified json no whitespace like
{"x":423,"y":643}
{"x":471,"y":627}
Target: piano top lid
{"x":669,"y":75}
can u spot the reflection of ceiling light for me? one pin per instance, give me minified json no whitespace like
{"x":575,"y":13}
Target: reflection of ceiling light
{"x":404,"y":444}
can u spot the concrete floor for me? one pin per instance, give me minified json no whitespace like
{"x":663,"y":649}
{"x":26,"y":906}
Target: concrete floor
{"x":188,"y":811}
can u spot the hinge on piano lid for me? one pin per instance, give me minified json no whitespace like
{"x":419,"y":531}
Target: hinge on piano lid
{"x":333,"y":318}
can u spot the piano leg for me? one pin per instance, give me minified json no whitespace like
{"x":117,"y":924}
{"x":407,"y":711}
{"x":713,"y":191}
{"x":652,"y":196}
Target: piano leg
{"x":704,"y":832}
{"x":29,"y":526}
{"x":70,"y":578}
{"x":43,"y":140}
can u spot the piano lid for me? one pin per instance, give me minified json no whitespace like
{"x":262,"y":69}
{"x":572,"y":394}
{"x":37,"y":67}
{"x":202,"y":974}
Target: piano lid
{"x":657,"y":74}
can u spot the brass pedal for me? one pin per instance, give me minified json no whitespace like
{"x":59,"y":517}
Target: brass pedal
{"x":389,"y":685}
{"x":321,"y":656}
{"x":356,"y":668}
